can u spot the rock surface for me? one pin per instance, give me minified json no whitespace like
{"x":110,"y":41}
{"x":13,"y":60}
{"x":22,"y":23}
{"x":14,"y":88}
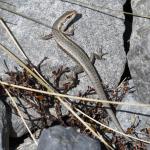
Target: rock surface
{"x":137,"y":116}
{"x":60,"y":138}
{"x":28,"y":144}
{"x":92,"y":31}
{"x":17,"y":127}
{"x":139,"y":54}
{"x":4,"y":127}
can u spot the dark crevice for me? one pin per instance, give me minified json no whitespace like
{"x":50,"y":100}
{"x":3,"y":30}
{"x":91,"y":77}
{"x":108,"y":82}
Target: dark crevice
{"x":126,"y":37}
{"x":128,"y":25}
{"x":14,"y":142}
{"x":126,"y":74}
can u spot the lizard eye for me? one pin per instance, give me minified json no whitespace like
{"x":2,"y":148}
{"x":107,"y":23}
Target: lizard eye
{"x":68,"y":16}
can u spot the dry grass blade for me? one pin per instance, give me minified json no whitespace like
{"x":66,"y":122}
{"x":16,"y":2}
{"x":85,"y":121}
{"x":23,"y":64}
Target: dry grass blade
{"x":12,"y":37}
{"x":42,"y":81}
{"x":51,"y":89}
{"x":75,"y":97}
{"x":19,"y":112}
{"x":18,"y":45}
{"x":7,"y":3}
{"x":34,"y":90}
{"x":148,"y":142}
{"x":99,"y":8}
{"x":26,"y":17}
{"x":85,"y":124}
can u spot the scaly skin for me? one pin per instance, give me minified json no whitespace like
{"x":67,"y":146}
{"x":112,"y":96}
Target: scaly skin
{"x":78,"y":54}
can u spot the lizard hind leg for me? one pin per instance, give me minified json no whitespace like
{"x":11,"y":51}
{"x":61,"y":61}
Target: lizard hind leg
{"x":78,"y":68}
{"x":99,"y":56}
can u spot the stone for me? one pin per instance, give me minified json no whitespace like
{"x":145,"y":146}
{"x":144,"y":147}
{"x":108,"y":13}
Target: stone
{"x":4,"y":127}
{"x":17,"y":127}
{"x":139,"y":54}
{"x":60,"y":138}
{"x":28,"y":144}
{"x":92,"y":31}
{"x":137,"y":116}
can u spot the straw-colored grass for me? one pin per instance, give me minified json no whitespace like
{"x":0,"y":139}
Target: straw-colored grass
{"x":51,"y":90}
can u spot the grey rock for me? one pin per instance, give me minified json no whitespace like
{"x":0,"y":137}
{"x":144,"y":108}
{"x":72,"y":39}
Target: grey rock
{"x":17,"y":127}
{"x":129,"y":115}
{"x":122,"y":1}
{"x":92,"y":31}
{"x":148,"y":146}
{"x":4,"y":128}
{"x":60,"y":138}
{"x":28,"y":144}
{"x":139,"y":54}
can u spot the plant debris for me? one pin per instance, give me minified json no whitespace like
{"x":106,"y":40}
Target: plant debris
{"x":42,"y":104}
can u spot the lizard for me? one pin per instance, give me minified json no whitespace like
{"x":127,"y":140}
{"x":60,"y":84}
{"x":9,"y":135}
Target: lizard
{"x":79,"y":55}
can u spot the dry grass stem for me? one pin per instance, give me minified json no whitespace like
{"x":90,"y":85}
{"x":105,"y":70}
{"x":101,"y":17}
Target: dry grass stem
{"x":40,"y":78}
{"x":51,"y":89}
{"x":26,"y":17}
{"x":75,"y":97}
{"x":148,"y":142}
{"x":12,"y":37}
{"x":19,"y":112}
{"x":101,"y":8}
{"x":56,"y":94}
{"x":18,"y":45}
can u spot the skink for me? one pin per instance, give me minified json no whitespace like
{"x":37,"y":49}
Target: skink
{"x":79,"y":55}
